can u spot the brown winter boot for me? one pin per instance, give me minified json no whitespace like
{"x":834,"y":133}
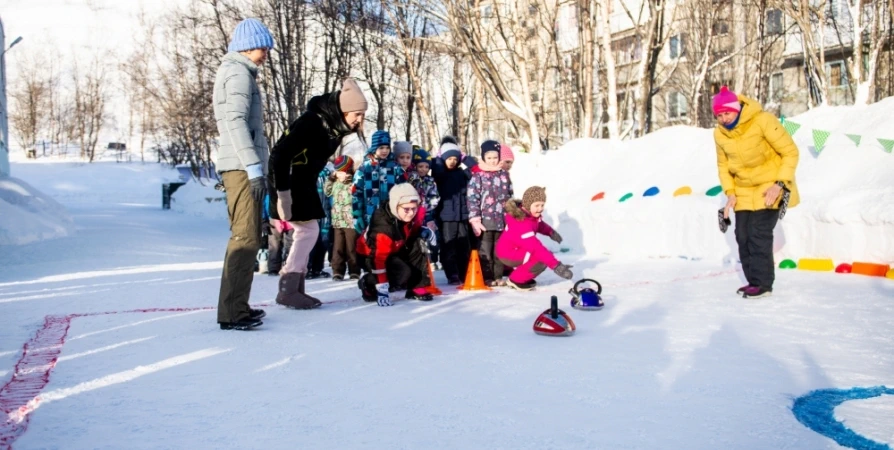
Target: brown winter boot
{"x":290,"y":293}
{"x":317,"y":303}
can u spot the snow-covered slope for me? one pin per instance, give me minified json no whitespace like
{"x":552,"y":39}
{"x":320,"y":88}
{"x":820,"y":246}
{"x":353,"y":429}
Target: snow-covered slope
{"x":847,"y":192}
{"x":28,"y":215}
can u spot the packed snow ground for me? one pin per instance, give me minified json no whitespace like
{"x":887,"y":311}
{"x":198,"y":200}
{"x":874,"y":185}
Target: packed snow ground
{"x":675,"y":360}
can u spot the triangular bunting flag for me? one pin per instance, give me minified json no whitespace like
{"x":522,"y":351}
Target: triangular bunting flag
{"x":854,"y":137}
{"x":887,"y":143}
{"x":791,"y":127}
{"x":819,"y":139}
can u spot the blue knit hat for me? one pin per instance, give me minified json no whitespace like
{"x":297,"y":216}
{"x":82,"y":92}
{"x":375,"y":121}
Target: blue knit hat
{"x":380,"y":137}
{"x":421,"y":155}
{"x":249,"y":35}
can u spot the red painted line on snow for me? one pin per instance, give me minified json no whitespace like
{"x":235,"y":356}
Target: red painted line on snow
{"x":32,"y":373}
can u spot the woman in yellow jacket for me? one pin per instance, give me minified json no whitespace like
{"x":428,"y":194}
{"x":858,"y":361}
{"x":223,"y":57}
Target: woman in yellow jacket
{"x":756,"y":161}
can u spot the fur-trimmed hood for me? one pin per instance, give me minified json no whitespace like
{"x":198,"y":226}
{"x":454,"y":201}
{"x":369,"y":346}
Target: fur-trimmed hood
{"x":514,"y":209}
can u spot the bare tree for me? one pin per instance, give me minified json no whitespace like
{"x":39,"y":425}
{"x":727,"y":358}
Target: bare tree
{"x":810,"y":20}
{"x":865,"y":80}
{"x":377,"y":55}
{"x":607,"y":58}
{"x":30,"y":93}
{"x":90,"y":91}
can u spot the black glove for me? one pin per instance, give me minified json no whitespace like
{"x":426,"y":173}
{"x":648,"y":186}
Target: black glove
{"x":258,"y":189}
{"x":556,"y":236}
{"x":564,"y":271}
{"x":723,"y":222}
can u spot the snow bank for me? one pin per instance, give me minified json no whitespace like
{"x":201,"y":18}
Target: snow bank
{"x":29,"y":215}
{"x":847,"y":192}
{"x":200,"y":200}
{"x":71,"y":183}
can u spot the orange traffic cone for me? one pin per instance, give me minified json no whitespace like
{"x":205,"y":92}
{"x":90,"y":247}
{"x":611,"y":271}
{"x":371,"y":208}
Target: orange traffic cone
{"x":474,"y":277}
{"x":432,"y":289}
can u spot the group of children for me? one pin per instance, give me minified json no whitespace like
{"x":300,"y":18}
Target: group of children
{"x":465,"y":203}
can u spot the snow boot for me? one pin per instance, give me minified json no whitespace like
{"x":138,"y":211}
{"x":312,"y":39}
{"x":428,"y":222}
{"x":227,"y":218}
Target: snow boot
{"x":756,"y":292}
{"x":742,"y":289}
{"x":242,"y":325}
{"x":257,"y":313}
{"x":419,"y":294}
{"x":317,"y":303}
{"x":290,"y":294}
{"x":522,"y":286}
{"x":368,"y":294}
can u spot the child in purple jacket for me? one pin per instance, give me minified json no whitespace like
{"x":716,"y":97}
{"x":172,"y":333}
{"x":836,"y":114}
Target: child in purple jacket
{"x":489,"y":189}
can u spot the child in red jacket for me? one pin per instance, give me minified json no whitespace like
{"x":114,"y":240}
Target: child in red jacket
{"x":519,"y":247}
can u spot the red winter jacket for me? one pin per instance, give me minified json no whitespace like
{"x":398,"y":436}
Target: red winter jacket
{"x":386,"y":235}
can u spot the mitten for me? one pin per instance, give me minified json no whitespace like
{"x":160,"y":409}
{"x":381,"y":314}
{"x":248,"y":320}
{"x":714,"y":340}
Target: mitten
{"x":383,"y":297}
{"x":428,"y":235}
{"x":723,"y":222}
{"x":564,"y":271}
{"x":556,"y":236}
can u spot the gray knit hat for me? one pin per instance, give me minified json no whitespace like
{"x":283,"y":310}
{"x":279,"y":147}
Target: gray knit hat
{"x":401,"y":147}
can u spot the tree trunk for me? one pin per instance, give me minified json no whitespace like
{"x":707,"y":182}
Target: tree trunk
{"x":458,"y":89}
{"x":608,"y":57}
{"x":587,"y":56}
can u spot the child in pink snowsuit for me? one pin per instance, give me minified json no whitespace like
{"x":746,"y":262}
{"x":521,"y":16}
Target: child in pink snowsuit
{"x":519,"y":247}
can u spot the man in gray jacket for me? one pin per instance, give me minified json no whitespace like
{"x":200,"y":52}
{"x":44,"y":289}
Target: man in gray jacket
{"x":242,"y":163}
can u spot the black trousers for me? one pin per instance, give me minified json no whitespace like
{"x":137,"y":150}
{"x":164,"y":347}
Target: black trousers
{"x":491,"y":266}
{"x":454,"y":248}
{"x":406,"y":268}
{"x":754,"y":234}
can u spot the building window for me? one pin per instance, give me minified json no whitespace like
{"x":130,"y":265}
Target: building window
{"x":836,"y":74}
{"x":677,"y":47}
{"x":677,"y":106}
{"x":774,"y":22}
{"x":720,"y":28}
{"x":486,"y":14}
{"x":627,"y":50}
{"x":776,"y":87}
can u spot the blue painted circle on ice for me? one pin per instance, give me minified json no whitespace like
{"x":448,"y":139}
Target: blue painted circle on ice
{"x":816,"y":410}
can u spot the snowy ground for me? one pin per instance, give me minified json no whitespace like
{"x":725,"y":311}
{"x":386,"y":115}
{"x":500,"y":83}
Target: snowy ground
{"x":675,"y":360}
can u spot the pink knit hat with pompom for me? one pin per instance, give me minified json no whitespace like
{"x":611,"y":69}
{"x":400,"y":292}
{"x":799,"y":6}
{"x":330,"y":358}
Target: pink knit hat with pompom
{"x":725,"y":101}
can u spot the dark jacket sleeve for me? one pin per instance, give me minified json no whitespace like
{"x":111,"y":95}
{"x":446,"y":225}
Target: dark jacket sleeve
{"x":283,"y":152}
{"x":381,"y":244}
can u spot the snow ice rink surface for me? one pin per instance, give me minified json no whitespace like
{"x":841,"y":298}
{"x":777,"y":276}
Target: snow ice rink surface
{"x":675,"y":360}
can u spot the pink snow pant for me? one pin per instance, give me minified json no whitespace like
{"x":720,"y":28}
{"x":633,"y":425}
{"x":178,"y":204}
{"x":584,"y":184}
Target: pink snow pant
{"x":528,"y":264}
{"x":303,"y":240}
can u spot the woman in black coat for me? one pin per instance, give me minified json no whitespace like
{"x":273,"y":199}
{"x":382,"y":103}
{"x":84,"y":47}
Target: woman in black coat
{"x":297,"y":159}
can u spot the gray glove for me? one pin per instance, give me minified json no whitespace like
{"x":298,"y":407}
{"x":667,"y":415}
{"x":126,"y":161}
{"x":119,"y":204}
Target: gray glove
{"x":556,"y":236}
{"x":257,"y":182}
{"x":564,"y":271}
